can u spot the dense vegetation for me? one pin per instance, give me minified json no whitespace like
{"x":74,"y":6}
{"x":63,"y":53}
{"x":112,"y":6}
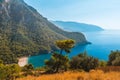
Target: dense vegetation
{"x":9,"y":72}
{"x":60,"y":62}
{"x":114,"y":58}
{"x":24,"y":32}
{"x":83,"y":61}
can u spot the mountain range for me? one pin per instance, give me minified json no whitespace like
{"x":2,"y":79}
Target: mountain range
{"x":24,"y":31}
{"x":77,"y":27}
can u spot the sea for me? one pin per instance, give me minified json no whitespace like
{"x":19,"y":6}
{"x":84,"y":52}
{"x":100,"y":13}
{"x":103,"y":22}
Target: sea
{"x":103,"y":42}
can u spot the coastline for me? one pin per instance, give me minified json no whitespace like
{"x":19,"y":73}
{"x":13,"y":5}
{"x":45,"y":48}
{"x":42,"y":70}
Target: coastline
{"x":22,"y":61}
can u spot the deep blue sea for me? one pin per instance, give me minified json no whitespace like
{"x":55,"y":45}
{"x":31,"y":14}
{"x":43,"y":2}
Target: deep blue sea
{"x":102,"y":44}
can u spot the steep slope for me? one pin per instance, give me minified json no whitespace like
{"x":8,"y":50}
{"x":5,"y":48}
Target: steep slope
{"x":23,"y":31}
{"x":76,"y":27}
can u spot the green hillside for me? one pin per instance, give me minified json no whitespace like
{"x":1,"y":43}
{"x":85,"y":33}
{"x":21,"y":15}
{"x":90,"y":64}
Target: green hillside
{"x":23,"y":31}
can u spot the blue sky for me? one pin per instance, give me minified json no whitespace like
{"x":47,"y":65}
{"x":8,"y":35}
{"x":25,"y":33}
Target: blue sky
{"x":105,"y":13}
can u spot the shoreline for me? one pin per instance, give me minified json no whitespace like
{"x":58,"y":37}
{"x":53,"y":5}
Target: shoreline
{"x":22,"y":61}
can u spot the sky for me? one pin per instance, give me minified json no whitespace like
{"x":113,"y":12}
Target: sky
{"x":104,"y":13}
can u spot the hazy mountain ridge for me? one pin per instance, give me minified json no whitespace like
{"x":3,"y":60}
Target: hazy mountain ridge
{"x":77,"y":27}
{"x":23,"y":31}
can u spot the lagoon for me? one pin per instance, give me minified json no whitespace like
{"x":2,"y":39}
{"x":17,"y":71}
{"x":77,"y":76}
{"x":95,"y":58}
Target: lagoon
{"x":102,"y":44}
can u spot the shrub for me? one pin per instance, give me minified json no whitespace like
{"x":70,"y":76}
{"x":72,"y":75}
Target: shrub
{"x":102,"y":63}
{"x":57,"y":62}
{"x":83,"y":61}
{"x":9,"y":72}
{"x":114,"y":58}
{"x":27,"y":69}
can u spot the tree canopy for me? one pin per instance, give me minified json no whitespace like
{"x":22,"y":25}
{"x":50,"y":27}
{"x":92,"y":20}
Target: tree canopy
{"x":58,"y":61}
{"x":65,"y":45}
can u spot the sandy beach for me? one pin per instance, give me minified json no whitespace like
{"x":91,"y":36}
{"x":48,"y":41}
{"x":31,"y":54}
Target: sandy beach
{"x":23,"y":61}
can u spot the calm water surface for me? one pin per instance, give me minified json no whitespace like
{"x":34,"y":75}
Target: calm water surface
{"x":102,"y":44}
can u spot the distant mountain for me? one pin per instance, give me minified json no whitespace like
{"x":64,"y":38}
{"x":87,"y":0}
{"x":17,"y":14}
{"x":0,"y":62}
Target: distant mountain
{"x":23,"y":31}
{"x":76,"y":27}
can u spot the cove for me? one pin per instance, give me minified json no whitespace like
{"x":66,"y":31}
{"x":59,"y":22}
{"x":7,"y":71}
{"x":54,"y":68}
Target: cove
{"x":102,"y":44}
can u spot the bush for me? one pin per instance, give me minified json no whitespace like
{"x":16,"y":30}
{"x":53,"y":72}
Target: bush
{"x":1,"y":62}
{"x":83,"y":61}
{"x":9,"y":72}
{"x":27,"y":69}
{"x":114,"y":58}
{"x":57,"y":62}
{"x":102,"y":63}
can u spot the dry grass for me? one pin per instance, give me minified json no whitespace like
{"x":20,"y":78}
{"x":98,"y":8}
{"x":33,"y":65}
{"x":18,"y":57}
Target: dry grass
{"x":70,"y":75}
{"x":110,"y":68}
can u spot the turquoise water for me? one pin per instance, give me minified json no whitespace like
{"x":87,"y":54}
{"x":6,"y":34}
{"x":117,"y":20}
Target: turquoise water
{"x":102,"y":44}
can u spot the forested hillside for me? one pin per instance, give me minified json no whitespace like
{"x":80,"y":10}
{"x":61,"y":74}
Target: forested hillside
{"x":23,"y":31}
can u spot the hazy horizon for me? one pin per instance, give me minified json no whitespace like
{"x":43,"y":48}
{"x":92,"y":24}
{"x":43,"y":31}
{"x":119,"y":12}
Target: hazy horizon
{"x":104,"y":13}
